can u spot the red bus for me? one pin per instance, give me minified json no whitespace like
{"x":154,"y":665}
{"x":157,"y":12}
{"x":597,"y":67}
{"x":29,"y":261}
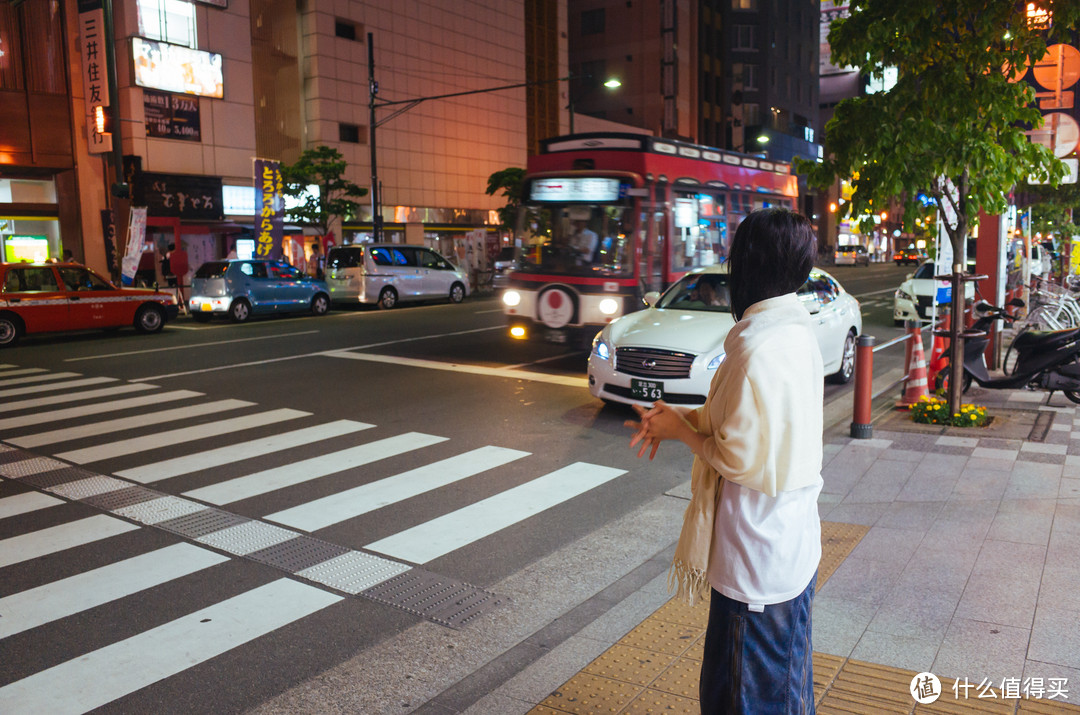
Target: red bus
{"x":607,"y":218}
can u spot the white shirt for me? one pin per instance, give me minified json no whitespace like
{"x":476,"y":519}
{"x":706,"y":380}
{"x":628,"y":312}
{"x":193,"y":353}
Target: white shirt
{"x":765,"y":413}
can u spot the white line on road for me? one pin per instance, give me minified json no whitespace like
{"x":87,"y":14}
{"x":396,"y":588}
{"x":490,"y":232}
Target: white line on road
{"x":68,"y":413}
{"x":313,"y":354}
{"x":60,"y":599}
{"x":56,"y":386}
{"x":440,"y":536}
{"x":541,"y":360}
{"x":24,"y":504}
{"x":38,"y":378}
{"x":351,"y":503}
{"x":101,"y":676}
{"x":179,"y":436}
{"x":194,"y":345}
{"x":74,"y":397}
{"x":57,"y":538}
{"x":309,"y":469}
{"x":469,"y":369}
{"x":125,"y":423}
{"x":23,"y":371}
{"x":481,"y":312}
{"x":238,"y":452}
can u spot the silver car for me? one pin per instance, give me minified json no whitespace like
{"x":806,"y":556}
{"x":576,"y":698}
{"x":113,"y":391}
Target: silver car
{"x":241,"y":288}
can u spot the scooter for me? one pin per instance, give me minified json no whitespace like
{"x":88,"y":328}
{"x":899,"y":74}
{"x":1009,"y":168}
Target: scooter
{"x":1046,"y":360}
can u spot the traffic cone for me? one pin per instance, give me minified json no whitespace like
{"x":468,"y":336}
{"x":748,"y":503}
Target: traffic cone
{"x":915,"y":382}
{"x":938,"y":357}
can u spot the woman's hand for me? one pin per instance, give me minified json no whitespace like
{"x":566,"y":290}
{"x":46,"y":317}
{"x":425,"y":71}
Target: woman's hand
{"x":660,"y":422}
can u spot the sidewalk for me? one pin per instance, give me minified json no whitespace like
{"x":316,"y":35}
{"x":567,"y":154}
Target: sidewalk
{"x":950,"y":551}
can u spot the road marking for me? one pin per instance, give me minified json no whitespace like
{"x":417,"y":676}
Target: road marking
{"x":57,"y":538}
{"x":23,"y":371}
{"x":60,"y":599}
{"x":185,"y":347}
{"x":26,"y":380}
{"x":24,"y":504}
{"x":238,"y":452}
{"x":541,"y":360}
{"x":309,"y":469}
{"x":56,"y":386}
{"x":181,"y":435}
{"x":440,"y":536}
{"x":468,"y":369}
{"x":101,"y":676}
{"x":125,"y":423}
{"x":74,"y":396}
{"x":481,"y":312}
{"x":351,"y":503}
{"x":37,"y":418}
{"x":314,"y":354}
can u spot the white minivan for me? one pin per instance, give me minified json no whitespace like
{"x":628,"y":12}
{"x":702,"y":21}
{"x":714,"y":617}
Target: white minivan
{"x":386,"y":273}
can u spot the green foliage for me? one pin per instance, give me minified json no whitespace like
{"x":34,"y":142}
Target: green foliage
{"x":325,"y":167}
{"x":932,"y":411}
{"x":511,"y":181}
{"x":1055,"y":210}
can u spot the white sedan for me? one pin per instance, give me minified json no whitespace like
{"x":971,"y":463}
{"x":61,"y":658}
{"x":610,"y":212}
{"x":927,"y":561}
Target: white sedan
{"x":915,"y":297}
{"x":671,"y":350}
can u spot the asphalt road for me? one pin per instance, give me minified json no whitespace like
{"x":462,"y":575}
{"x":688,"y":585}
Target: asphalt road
{"x":421,"y":435}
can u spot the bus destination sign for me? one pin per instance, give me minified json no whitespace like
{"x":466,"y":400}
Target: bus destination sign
{"x":592,"y":189}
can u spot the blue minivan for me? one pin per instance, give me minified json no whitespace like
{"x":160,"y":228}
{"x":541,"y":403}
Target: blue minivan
{"x":240,"y":288}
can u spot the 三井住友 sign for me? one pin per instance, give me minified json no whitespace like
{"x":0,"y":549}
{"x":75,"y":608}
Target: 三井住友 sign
{"x":270,"y":215}
{"x":171,"y":116}
{"x":95,"y":71}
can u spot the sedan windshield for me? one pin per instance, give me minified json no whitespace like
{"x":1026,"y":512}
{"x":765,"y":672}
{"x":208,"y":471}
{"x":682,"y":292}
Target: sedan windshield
{"x":705,"y":291}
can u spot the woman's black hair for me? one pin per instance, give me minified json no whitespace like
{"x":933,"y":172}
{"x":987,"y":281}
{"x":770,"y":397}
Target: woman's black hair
{"x":771,"y":255}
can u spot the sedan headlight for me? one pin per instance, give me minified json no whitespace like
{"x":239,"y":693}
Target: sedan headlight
{"x":511,"y":298}
{"x":715,"y":362}
{"x":601,"y":348}
{"x":901,"y":294}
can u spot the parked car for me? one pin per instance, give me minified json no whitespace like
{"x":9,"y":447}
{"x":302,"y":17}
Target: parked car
{"x":672,"y":350}
{"x":49,"y":297}
{"x":241,"y":288}
{"x":915,"y":297}
{"x":911,"y":255}
{"x":852,"y":256}
{"x":387,"y":273}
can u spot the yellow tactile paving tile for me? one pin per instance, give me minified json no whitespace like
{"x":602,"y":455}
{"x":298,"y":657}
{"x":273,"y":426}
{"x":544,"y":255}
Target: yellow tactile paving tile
{"x":680,"y":678}
{"x":1047,"y":707}
{"x":630,"y":665}
{"x":662,"y":637}
{"x":586,"y":693}
{"x":655,"y":701}
{"x":837,"y":541}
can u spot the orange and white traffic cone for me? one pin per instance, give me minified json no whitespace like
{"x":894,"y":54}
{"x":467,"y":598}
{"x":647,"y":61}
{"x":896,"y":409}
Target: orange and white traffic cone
{"x":938,"y":354}
{"x":915,"y":386}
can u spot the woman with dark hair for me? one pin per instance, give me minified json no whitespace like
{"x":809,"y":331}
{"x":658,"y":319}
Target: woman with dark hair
{"x":751,"y":532}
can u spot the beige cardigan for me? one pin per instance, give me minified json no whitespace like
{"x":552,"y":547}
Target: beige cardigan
{"x":765,"y":435}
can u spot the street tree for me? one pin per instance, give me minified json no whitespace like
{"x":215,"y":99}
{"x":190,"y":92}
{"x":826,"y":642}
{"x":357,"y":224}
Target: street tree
{"x":324,"y":167}
{"x":510,"y":181}
{"x":953,"y":125}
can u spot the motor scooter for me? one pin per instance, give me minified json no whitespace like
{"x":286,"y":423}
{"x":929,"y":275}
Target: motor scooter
{"x":1046,"y":360}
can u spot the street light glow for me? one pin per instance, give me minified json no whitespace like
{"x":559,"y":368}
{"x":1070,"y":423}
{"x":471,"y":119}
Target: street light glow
{"x":762,"y":139}
{"x":613,"y":83}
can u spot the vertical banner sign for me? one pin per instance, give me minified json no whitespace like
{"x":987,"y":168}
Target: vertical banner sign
{"x":95,"y":70}
{"x":270,"y":218}
{"x":135,"y":238}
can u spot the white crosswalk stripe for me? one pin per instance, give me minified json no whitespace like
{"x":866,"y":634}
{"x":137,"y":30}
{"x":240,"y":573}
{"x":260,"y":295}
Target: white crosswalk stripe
{"x":101,"y":676}
{"x":17,"y":549}
{"x":26,"y":503}
{"x":82,"y":396}
{"x":29,"y":390}
{"x":97,"y":408}
{"x":27,"y":379}
{"x":180,"y":436}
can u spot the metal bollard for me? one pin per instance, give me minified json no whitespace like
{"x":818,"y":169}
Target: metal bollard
{"x":864,"y":379}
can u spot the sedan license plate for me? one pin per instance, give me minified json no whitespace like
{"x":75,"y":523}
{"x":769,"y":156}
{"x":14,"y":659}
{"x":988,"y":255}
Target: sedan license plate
{"x":206,"y":307}
{"x":650,"y":390}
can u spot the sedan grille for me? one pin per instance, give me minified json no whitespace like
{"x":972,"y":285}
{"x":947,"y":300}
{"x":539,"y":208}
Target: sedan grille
{"x":647,"y":362}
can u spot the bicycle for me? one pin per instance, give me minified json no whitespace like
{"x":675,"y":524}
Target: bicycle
{"x":1056,"y":310}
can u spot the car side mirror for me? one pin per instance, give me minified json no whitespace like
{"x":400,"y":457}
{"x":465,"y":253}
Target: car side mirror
{"x":814,"y":306}
{"x":651,"y":297}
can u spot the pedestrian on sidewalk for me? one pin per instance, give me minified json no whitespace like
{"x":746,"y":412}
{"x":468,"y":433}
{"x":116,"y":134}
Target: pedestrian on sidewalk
{"x":751,"y":531}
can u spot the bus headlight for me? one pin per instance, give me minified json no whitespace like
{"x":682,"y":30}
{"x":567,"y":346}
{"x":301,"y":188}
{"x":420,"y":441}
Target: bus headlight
{"x":609,"y":306}
{"x":715,"y":362}
{"x":518,"y":332}
{"x":511,"y":298}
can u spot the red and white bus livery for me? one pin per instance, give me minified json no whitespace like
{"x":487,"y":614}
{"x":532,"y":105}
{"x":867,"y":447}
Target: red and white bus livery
{"x":608,"y":217}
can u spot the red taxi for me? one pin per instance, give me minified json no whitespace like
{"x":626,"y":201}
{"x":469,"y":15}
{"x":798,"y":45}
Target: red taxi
{"x":50,"y":297}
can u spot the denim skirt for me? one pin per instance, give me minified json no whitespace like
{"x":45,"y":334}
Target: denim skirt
{"x":758,"y":663}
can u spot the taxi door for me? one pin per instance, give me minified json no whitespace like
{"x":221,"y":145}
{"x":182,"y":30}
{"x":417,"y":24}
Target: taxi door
{"x":34,"y":294}
{"x":93,"y":302}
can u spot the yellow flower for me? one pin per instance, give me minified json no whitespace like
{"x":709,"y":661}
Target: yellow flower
{"x":974,"y":417}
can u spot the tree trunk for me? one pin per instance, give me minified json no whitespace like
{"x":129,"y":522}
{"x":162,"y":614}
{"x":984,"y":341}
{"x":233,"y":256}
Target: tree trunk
{"x":956,"y":323}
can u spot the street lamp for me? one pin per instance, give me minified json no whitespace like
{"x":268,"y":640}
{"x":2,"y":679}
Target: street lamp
{"x":610,"y":83}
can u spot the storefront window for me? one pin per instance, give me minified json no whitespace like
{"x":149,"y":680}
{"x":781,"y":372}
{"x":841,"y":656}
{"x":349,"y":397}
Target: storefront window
{"x":171,"y":21}
{"x":29,"y":228}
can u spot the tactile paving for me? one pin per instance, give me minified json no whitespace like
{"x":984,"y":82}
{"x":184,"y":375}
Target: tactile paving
{"x":837,"y":541}
{"x":243,"y":539}
{"x":662,"y":637}
{"x":161,"y":509}
{"x":657,"y":701}
{"x":438,"y":598}
{"x":201,"y":522}
{"x":353,"y":572}
{"x":48,"y":480}
{"x":120,"y":498}
{"x":91,"y":486}
{"x":17,"y":466}
{"x":630,"y":665}
{"x":298,"y":553}
{"x":680,"y":678}
{"x":586,"y":693}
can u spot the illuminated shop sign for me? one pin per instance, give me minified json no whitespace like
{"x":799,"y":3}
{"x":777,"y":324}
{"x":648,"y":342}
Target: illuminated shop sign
{"x":241,"y":200}
{"x":26,"y":248}
{"x":171,"y":116}
{"x":174,"y":68}
{"x":575,"y":189}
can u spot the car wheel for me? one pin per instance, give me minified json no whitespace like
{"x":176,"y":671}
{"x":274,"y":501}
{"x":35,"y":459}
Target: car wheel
{"x":239,"y":310}
{"x":320,"y":304}
{"x":387,"y":298}
{"x":150,"y":319}
{"x":11,"y":329}
{"x":457,"y":293}
{"x":200,"y":317}
{"x":847,"y":362}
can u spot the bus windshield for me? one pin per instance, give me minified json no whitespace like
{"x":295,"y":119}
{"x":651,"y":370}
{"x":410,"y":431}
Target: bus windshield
{"x":581,"y":239}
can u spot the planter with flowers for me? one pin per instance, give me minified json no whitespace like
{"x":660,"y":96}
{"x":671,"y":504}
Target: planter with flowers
{"x":933,"y":411}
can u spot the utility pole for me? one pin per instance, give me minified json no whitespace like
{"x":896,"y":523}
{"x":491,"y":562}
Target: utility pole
{"x":373,"y":89}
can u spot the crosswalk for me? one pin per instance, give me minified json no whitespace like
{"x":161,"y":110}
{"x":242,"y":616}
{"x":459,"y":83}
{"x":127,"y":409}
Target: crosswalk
{"x":62,"y":433}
